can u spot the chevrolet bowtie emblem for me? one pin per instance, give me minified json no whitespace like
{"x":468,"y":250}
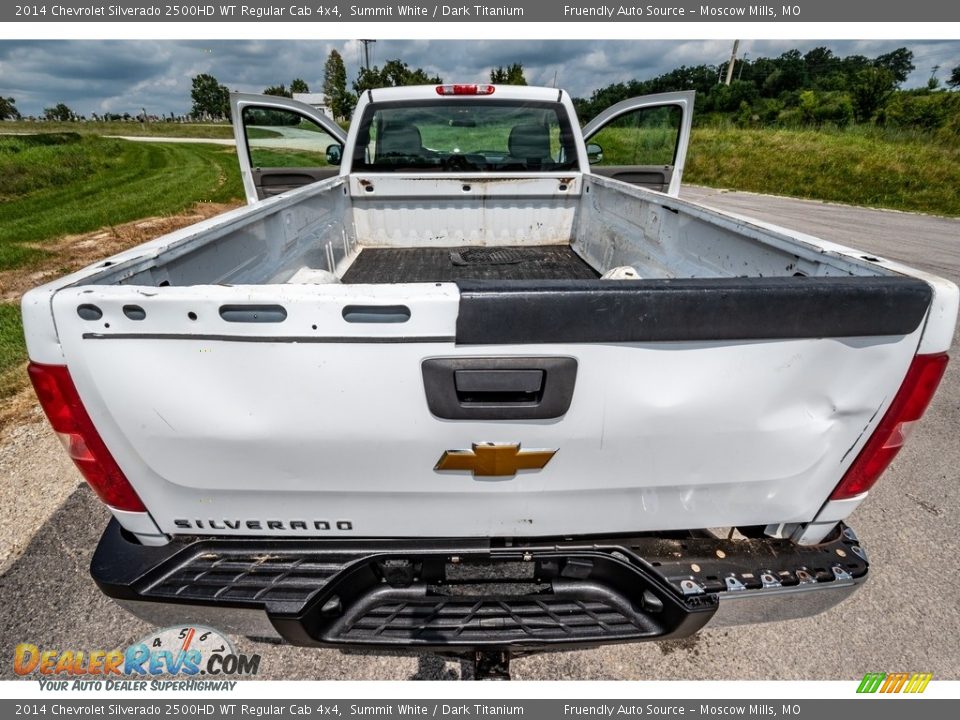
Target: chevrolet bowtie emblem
{"x":494,"y":459}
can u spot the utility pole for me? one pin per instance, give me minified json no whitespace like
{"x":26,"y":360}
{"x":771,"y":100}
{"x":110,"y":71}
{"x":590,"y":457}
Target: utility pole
{"x":366,"y":52}
{"x":743,"y":60}
{"x":733,"y":59}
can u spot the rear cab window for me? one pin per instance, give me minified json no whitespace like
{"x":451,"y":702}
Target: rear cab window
{"x":465,"y":136}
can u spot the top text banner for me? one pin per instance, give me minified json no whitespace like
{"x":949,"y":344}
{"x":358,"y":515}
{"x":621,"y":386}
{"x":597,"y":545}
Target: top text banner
{"x":327,"y":11}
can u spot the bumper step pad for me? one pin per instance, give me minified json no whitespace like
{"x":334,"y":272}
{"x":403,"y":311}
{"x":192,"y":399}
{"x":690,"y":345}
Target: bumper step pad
{"x":460,"y":595}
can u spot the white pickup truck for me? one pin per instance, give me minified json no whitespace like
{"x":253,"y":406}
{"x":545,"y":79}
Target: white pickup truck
{"x":472,"y":379}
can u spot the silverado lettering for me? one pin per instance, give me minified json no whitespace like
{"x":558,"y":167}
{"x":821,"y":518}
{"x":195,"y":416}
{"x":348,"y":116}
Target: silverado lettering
{"x":185,"y":524}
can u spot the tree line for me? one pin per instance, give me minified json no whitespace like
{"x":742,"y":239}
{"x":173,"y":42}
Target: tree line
{"x":792,"y":90}
{"x":795,"y":89}
{"x":803,"y":89}
{"x":211,"y":99}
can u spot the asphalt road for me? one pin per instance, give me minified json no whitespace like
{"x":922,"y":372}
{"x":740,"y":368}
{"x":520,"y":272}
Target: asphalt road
{"x":906,"y":618}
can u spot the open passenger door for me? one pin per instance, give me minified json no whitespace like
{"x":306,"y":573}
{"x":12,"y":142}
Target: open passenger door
{"x":642,"y":140}
{"x":283,"y":144}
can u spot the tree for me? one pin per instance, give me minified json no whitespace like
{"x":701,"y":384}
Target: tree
{"x":728,"y":98}
{"x":299,"y":85}
{"x":58,"y":112}
{"x":210,"y":98}
{"x":8,"y":109}
{"x":821,"y":61}
{"x":825,"y":69}
{"x":511,"y":75}
{"x":341,"y":101}
{"x":790,"y":74}
{"x":871,"y":89}
{"x":899,"y":63}
{"x":393,"y":74}
{"x":954,"y":80}
{"x":278,"y":91}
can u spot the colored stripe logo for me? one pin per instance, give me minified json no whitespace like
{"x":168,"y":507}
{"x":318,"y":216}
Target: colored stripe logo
{"x":894,"y":682}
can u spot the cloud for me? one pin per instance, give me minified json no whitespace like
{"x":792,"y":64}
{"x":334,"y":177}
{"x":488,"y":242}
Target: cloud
{"x":125,"y":76}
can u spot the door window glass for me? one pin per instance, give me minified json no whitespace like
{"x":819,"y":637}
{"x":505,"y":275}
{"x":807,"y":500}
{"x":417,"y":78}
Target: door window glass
{"x":283,"y":138}
{"x":646,"y":136}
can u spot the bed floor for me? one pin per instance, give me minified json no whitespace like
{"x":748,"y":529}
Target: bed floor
{"x":447,"y":264}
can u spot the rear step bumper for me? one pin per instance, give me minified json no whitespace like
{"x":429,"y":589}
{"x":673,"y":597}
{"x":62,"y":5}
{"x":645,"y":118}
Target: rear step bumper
{"x":463,"y":595}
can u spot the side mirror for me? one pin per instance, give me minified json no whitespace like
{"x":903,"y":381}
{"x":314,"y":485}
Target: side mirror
{"x":334,"y":153}
{"x":594,"y":153}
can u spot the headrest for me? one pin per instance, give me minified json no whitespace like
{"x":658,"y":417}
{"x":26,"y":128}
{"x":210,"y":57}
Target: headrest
{"x":400,"y":139}
{"x":529,"y":142}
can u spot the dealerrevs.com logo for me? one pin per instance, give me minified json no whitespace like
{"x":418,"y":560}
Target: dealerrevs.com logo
{"x":181,"y":651}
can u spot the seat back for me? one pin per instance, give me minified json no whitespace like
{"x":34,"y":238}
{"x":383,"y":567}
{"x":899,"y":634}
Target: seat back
{"x":399,"y":139}
{"x":529,"y":142}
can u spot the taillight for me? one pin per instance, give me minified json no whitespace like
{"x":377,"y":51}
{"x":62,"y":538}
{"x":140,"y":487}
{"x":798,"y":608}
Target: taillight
{"x":60,"y":401}
{"x":907,"y":407}
{"x":465,"y":89}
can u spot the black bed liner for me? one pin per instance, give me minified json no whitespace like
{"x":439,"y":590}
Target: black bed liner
{"x":450,"y":264}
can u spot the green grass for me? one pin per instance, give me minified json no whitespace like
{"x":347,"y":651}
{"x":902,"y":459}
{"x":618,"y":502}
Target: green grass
{"x":82,"y":183}
{"x":628,"y":146}
{"x":908,"y":171}
{"x":13,"y":352}
{"x":260,"y":134}
{"x":132,"y":129}
{"x":32,"y":163}
{"x":311,"y":126}
{"x":857,"y":166}
{"x":66,"y":183}
{"x":284,"y":157}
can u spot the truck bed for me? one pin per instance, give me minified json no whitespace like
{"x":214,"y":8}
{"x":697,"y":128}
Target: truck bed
{"x":449,"y":264}
{"x":273,"y":359}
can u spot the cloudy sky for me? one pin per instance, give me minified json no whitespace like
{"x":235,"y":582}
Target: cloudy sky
{"x":125,"y":76}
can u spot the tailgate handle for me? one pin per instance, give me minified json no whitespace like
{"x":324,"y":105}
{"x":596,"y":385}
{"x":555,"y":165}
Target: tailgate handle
{"x":499,"y":388}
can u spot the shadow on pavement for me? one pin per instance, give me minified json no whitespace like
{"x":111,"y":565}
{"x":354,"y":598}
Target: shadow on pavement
{"x":49,"y":600}
{"x":47,"y":595}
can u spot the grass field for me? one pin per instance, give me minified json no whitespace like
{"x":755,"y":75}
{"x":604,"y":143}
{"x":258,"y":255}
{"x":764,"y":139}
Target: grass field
{"x":287,"y":157}
{"x":908,"y":171}
{"x":52,"y":185}
{"x":12,"y":350}
{"x":68,"y":183}
{"x":649,"y":146}
{"x":132,"y":129}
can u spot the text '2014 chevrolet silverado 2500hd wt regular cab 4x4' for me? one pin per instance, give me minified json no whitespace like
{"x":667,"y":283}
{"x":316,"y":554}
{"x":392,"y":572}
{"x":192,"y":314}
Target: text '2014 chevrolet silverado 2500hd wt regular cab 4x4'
{"x":471,"y":377}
